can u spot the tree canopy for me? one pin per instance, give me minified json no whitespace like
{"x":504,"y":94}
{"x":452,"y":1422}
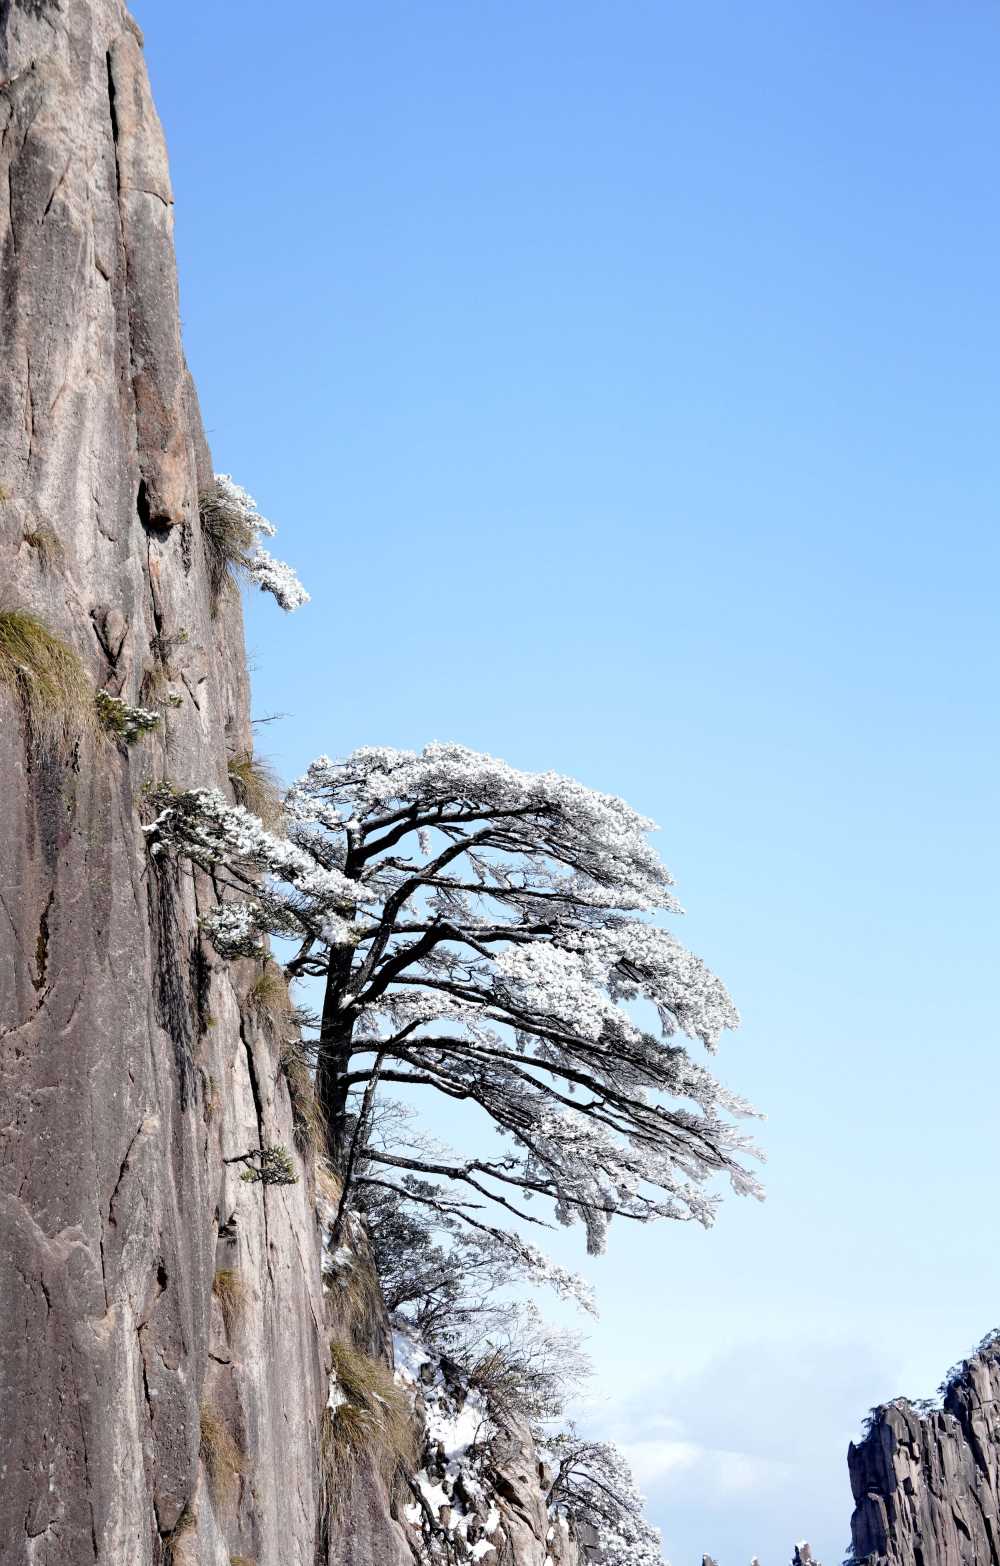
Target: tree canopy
{"x":486,"y":934}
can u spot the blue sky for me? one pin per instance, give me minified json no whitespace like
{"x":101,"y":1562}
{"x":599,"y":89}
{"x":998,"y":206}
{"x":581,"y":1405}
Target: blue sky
{"x":624,"y":379}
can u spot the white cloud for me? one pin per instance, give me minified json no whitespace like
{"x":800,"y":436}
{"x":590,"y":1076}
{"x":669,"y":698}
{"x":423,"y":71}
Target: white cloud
{"x":656,"y":1464}
{"x":653,"y":1461}
{"x":746,"y":1453}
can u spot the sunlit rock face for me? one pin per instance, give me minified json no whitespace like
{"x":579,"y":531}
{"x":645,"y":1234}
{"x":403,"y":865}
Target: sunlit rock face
{"x":926,"y":1481}
{"x":126,"y":1070}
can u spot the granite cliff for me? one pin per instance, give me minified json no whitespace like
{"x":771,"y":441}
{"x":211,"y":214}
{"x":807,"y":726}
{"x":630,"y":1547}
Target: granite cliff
{"x":167,"y":1340}
{"x":926,"y":1480}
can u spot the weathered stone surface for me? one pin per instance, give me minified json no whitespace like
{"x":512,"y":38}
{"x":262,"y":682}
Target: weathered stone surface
{"x":926,"y":1483}
{"x":126,"y":1069}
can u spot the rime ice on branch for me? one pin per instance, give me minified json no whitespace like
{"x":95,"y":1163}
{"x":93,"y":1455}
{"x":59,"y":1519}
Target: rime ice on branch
{"x":487,"y":934}
{"x":594,"y":1485}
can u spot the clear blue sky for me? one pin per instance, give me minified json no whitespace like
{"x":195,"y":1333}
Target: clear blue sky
{"x":625,"y":380}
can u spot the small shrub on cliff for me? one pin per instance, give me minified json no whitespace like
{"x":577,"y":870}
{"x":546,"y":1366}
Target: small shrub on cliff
{"x":458,"y":1289}
{"x":209,"y":1095}
{"x":593,"y":1484}
{"x":46,"y":679}
{"x":224,"y":1459}
{"x":121,"y":719}
{"x":528,"y":1371}
{"x":368,"y":1417}
{"x":266,"y":1166}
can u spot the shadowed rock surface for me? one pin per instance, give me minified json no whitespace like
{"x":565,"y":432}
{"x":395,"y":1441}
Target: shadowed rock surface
{"x":926,"y":1482}
{"x":141,"y":1422}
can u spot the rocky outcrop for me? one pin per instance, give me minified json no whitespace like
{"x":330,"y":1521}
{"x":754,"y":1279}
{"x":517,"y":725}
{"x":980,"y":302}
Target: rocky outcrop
{"x":926,"y":1481}
{"x":478,"y":1489}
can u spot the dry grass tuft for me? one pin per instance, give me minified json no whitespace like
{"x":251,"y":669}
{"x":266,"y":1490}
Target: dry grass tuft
{"x":46,"y":679}
{"x":356,"y":1299}
{"x":257,"y":788}
{"x":229,"y":539}
{"x":241,"y":1560}
{"x":209,"y":1096}
{"x":47,"y":546}
{"x":329,"y":1185}
{"x":184,"y":1528}
{"x":224,"y":1460}
{"x":374,"y":1423}
{"x":231,"y":1292}
{"x":307,"y":1116}
{"x":268,"y":1001}
{"x":155,"y":687}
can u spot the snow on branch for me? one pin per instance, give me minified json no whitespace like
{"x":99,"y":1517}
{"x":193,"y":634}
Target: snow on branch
{"x":489,"y":934}
{"x":593,"y":1486}
{"x":232,"y":527}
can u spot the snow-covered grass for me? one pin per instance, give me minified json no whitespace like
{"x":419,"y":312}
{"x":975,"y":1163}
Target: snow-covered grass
{"x":231,"y":529}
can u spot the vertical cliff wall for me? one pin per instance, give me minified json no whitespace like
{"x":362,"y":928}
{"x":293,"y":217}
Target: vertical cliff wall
{"x":926,"y":1482}
{"x":126,"y":1069}
{"x":165,"y":1327}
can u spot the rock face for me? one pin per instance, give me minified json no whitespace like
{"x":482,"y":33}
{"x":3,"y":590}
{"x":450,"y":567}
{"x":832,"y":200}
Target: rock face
{"x":127,"y":1071}
{"x":146,"y":1416}
{"x":470,"y":1499}
{"x":926,"y":1482}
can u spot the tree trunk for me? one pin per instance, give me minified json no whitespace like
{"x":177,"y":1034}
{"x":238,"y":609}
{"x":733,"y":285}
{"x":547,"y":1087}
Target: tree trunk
{"x":336,"y":1047}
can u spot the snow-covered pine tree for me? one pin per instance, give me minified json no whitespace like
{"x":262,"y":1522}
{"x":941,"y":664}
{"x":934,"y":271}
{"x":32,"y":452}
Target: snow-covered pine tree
{"x":593,"y":1487}
{"x":487,"y":934}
